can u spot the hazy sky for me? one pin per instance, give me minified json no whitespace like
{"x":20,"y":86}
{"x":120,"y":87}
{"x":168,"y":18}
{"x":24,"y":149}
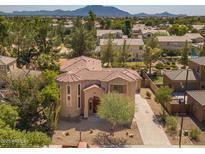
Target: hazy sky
{"x":180,"y":9}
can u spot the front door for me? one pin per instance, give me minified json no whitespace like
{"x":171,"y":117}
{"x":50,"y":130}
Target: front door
{"x":96,"y":102}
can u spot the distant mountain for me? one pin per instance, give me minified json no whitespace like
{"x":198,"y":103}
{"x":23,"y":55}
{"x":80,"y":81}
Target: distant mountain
{"x":106,"y":11}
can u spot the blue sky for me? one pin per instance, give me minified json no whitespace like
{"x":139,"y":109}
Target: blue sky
{"x":176,"y":9}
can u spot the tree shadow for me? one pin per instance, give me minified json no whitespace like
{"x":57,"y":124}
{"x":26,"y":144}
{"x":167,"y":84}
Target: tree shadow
{"x":109,"y":141}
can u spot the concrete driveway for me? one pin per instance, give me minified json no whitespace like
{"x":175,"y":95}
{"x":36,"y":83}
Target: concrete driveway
{"x":151,"y":132}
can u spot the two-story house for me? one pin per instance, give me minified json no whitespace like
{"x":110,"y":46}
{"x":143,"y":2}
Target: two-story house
{"x":83,"y":80}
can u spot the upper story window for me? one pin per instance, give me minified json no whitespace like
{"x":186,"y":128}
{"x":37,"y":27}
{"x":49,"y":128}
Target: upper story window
{"x":118,"y":88}
{"x":1,"y":67}
{"x":79,"y":89}
{"x":68,"y":89}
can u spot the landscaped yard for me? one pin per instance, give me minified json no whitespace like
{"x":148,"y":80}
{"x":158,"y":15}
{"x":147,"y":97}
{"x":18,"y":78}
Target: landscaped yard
{"x":157,"y":109}
{"x":68,"y":132}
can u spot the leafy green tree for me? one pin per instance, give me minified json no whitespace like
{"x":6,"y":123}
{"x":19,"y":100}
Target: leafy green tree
{"x":163,"y":95}
{"x":47,"y":61}
{"x":127,"y":29}
{"x":185,"y":54}
{"x":8,"y":115}
{"x":178,"y":30}
{"x":11,"y":138}
{"x":109,"y":52}
{"x":91,"y":21}
{"x":152,"y":52}
{"x":124,"y":54}
{"x":116,"y":108}
{"x":36,"y":99}
{"x":82,"y":41}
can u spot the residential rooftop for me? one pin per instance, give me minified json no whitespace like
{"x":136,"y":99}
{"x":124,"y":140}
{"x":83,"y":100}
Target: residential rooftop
{"x":198,"y":95}
{"x":173,"y":39}
{"x":199,"y":60}
{"x":129,"y":41}
{"x":6,"y":60}
{"x":180,"y":75}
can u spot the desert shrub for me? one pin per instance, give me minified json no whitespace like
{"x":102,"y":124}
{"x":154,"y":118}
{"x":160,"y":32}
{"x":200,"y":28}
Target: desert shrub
{"x":159,"y":66}
{"x":194,"y":134}
{"x":171,"y":123}
{"x":148,"y":94}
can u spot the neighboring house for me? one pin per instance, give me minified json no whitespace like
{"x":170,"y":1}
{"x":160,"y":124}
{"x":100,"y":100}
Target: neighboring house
{"x":8,"y":67}
{"x":172,"y":42}
{"x":137,"y":29}
{"x":146,"y":33}
{"x":196,"y":99}
{"x":104,"y":34}
{"x":176,"y":79}
{"x":195,"y":37}
{"x":83,"y":80}
{"x":198,"y":27}
{"x":7,"y":64}
{"x":135,"y":46}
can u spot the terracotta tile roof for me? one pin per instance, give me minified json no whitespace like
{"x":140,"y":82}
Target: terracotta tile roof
{"x":180,"y":75}
{"x":6,"y":60}
{"x":121,"y":41}
{"x":102,"y":74}
{"x":199,"y":60}
{"x":198,"y":95}
{"x":173,"y":39}
{"x":68,"y":77}
{"x":79,"y":63}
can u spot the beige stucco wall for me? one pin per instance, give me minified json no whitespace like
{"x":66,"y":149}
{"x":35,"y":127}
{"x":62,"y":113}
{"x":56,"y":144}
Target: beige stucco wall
{"x":171,"y":46}
{"x":69,"y":109}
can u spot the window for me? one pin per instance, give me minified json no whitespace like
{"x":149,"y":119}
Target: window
{"x":118,"y":88}
{"x":68,"y":97}
{"x":1,"y":67}
{"x":68,"y":90}
{"x":79,"y":96}
{"x":79,"y":89}
{"x":79,"y":102}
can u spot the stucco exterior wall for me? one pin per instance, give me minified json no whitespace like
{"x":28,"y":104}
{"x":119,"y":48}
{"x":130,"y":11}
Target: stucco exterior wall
{"x":171,"y":45}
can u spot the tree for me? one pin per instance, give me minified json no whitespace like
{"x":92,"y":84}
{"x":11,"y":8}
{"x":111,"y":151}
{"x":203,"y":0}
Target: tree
{"x":185,"y":54}
{"x":202,"y":50}
{"x":163,"y":95}
{"x":82,"y":41}
{"x":11,"y":138}
{"x":124,"y":54}
{"x":152,"y":52}
{"x":116,"y":108}
{"x":109,"y":52}
{"x":127,"y":29}
{"x":91,"y":21}
{"x":8,"y":115}
{"x":47,"y":61}
{"x":178,"y":30}
{"x":36,"y":99}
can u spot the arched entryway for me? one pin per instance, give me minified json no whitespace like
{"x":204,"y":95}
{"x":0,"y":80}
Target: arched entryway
{"x":92,"y":96}
{"x":93,"y":103}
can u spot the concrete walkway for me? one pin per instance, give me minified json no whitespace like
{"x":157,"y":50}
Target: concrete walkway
{"x":151,"y":132}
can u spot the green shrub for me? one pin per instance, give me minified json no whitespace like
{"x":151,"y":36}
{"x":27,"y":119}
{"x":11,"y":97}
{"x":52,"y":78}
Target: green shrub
{"x":148,"y":94}
{"x":159,"y":66}
{"x":171,"y":123}
{"x":194,"y":134}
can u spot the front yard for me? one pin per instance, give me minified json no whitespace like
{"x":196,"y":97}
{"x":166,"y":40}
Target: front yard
{"x":68,"y":133}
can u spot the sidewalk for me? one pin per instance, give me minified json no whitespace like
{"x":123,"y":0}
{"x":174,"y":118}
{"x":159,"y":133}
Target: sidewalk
{"x":152,"y":134}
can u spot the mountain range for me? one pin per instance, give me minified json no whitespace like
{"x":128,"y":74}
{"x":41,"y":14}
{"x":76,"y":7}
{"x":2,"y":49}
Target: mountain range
{"x":106,"y":11}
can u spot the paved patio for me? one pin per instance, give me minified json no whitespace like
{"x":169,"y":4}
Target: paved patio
{"x":150,"y":130}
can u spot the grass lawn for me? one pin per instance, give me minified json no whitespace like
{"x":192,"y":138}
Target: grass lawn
{"x":158,"y":80}
{"x":131,"y":64}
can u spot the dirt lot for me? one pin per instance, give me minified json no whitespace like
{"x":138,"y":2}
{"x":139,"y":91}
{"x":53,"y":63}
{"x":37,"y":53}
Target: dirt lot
{"x":68,"y":132}
{"x":157,"y":109}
